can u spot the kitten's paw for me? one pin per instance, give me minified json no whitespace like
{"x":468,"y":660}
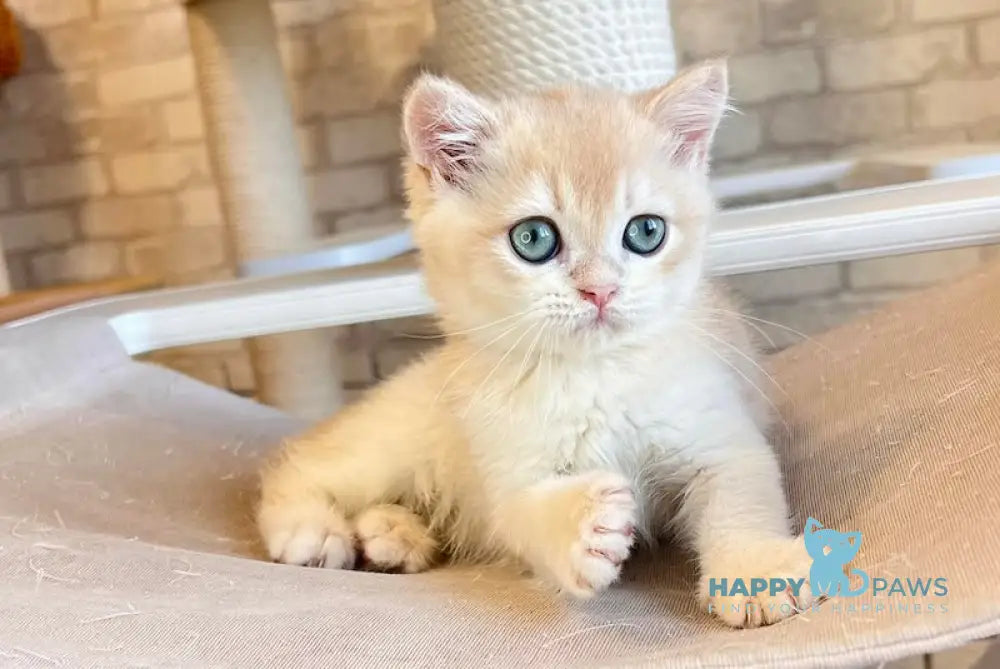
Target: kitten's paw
{"x":602,"y":536}
{"x":310,"y":534}
{"x":762,"y":559}
{"x":393,"y":538}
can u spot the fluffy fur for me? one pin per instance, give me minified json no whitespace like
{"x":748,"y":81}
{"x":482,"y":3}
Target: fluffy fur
{"x":546,"y":429}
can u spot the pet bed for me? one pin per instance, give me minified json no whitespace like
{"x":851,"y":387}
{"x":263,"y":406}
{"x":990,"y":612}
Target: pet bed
{"x":126,"y":536}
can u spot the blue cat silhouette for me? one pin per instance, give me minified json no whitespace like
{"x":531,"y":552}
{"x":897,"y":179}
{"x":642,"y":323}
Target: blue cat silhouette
{"x":831,"y":551}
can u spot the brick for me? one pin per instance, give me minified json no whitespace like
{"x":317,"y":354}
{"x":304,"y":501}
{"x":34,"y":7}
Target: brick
{"x":939,"y":10}
{"x":18,"y":275}
{"x":107,"y":7}
{"x":48,"y":13}
{"x":298,"y":52}
{"x":904,"y":140}
{"x":160,"y":170}
{"x":311,"y":149}
{"x":146,"y":257}
{"x":358,"y":139}
{"x":789,"y":284}
{"x":369,"y":218}
{"x":956,"y":102}
{"x":912,"y":271}
{"x":67,"y":47}
{"x":239,"y":373}
{"x":740,"y":134}
{"x":125,"y":217}
{"x":196,"y":249}
{"x":354,"y":345}
{"x":763,"y":76}
{"x":141,"y":83}
{"x":349,"y":188}
{"x":5,"y":195}
{"x":716,"y":27}
{"x":988,"y":41}
{"x":900,"y":59}
{"x":987,"y":131}
{"x":35,"y":229}
{"x":333,"y":94}
{"x":126,"y":130}
{"x":184,"y":120}
{"x":836,"y":119}
{"x":803,"y":20}
{"x":200,"y":207}
{"x":333,"y":38}
{"x":89,"y":261}
{"x":129,"y":39}
{"x":55,"y":95}
{"x":64,"y":181}
{"x":297,"y":13}
{"x":21,"y":143}
{"x":207,"y":370}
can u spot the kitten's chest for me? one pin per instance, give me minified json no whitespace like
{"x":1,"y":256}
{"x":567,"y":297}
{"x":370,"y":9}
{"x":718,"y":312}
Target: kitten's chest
{"x":609,"y":419}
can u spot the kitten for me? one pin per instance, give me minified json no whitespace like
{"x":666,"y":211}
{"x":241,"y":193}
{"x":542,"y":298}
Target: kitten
{"x":593,"y":389}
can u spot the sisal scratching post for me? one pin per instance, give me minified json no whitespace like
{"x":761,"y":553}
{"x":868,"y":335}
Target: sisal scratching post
{"x":255,"y":154}
{"x":508,"y":46}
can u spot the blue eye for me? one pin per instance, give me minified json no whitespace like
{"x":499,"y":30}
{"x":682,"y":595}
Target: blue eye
{"x":644,"y":234}
{"x":536,"y":240}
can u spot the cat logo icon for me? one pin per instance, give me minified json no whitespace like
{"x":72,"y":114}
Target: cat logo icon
{"x":831,"y":551}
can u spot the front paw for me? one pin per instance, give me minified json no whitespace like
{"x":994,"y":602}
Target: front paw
{"x":587,"y":555}
{"x":311,"y":534}
{"x":768,"y":559}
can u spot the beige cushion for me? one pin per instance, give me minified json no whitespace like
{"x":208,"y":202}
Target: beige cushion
{"x":126,"y":536}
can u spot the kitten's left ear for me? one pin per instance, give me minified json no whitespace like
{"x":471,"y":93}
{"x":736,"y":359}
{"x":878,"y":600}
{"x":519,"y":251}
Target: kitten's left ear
{"x":445,"y":126}
{"x":688,"y":110}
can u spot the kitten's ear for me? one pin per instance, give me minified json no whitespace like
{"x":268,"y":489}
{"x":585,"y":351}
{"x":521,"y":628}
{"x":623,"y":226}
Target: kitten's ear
{"x":689,"y":109}
{"x":812,"y":525}
{"x":445,"y":127}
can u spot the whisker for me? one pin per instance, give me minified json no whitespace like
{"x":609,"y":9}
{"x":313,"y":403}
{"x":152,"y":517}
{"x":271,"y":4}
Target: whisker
{"x":496,"y":366}
{"x":527,"y":355}
{"x":763,"y":395}
{"x":468,"y":330}
{"x":772,"y":323}
{"x":746,"y":357}
{"x":461,"y":365}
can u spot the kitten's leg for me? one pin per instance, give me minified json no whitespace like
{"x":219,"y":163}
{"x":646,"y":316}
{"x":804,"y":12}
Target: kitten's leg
{"x":394,"y":538}
{"x":575,"y":531}
{"x":735,"y":516}
{"x":374,"y":452}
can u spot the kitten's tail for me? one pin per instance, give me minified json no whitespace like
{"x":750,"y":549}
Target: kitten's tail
{"x":864,"y":584}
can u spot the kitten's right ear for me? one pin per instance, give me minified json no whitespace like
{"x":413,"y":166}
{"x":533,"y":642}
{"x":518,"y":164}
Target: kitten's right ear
{"x":445,"y":127}
{"x":688,"y":111}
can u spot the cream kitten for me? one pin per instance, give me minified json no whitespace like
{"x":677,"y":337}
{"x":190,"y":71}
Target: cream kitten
{"x":593,"y":388}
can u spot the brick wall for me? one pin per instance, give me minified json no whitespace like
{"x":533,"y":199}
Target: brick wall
{"x":815,"y":79}
{"x":104,"y":170}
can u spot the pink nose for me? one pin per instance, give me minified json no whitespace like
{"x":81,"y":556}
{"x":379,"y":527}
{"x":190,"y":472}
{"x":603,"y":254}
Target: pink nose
{"x":599,"y":296}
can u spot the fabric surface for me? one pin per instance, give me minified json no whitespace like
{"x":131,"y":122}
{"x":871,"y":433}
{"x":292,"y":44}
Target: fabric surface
{"x":126,"y":540}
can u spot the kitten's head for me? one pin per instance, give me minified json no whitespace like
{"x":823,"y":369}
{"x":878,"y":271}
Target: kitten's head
{"x":575,"y":213}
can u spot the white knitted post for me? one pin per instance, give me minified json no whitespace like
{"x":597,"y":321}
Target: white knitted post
{"x":508,"y":46}
{"x":259,"y":170}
